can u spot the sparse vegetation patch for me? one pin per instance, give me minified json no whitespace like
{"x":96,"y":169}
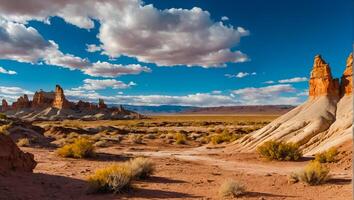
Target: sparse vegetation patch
{"x":231,"y":188}
{"x":80,"y":148}
{"x":274,"y":150}
{"x":314,"y":173}
{"x":327,"y":156}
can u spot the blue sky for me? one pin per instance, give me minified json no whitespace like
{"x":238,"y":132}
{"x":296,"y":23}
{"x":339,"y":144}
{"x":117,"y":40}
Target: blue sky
{"x":172,"y":52}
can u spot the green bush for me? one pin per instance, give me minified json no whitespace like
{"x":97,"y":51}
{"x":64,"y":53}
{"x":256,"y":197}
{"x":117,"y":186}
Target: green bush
{"x":314,"y":173}
{"x":274,"y":150}
{"x":80,"y":148}
{"x":327,"y":156}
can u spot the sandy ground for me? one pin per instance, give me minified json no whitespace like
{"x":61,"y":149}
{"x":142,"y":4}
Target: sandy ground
{"x":182,"y":173}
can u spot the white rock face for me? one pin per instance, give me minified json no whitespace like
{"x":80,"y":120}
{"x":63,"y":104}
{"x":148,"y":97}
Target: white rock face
{"x":325,"y":120}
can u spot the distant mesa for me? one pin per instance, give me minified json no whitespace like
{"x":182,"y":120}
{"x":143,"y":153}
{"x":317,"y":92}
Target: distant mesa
{"x":54,"y":106}
{"x":325,"y":120}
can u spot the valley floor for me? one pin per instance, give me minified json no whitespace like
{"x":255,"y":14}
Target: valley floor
{"x":181,"y":173}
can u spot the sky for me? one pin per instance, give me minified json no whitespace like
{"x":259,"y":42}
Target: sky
{"x":176,"y":52}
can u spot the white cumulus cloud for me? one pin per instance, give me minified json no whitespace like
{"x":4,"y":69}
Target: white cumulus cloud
{"x":5,"y":71}
{"x":166,"y":37}
{"x":293,"y":80}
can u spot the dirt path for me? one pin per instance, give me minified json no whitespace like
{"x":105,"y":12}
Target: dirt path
{"x":202,"y":156}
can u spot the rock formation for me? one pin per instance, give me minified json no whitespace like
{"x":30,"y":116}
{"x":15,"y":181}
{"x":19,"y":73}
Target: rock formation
{"x":54,"y":106}
{"x":347,"y":78}
{"x":323,"y":121}
{"x":4,"y":105}
{"x":12,"y":158}
{"x":21,"y":103}
{"x":59,"y":101}
{"x":321,"y":81}
{"x":42,"y":99}
{"x":101,"y":104}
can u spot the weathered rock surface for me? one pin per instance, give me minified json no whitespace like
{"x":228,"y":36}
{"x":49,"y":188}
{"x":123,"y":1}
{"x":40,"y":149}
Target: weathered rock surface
{"x":347,"y":78}
{"x":323,"y":121}
{"x":4,"y":105}
{"x":321,"y":81}
{"x":12,"y":158}
{"x":42,"y":99}
{"x":21,"y":103}
{"x":101,"y":104}
{"x":59,"y":101}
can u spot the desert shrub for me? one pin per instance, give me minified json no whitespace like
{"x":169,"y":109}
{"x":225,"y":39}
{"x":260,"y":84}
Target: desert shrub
{"x":137,"y":139}
{"x":23,"y":142}
{"x":4,"y":129}
{"x":180,"y":138}
{"x":141,"y":167}
{"x":114,"y":178}
{"x":80,"y":148}
{"x":231,"y":188}
{"x":225,"y":136}
{"x":327,"y":156}
{"x":274,"y":150}
{"x":314,"y":173}
{"x":3,"y":116}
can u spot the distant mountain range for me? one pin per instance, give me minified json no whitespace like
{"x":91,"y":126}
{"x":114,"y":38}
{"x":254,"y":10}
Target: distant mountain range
{"x":244,"y":110}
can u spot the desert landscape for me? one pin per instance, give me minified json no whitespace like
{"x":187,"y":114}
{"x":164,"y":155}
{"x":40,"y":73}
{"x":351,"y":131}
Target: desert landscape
{"x":177,"y":99}
{"x":190,"y":156}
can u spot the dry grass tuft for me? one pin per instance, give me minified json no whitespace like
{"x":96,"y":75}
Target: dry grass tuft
{"x":231,"y":188}
{"x":80,"y":148}
{"x":141,"y":167}
{"x":327,"y":156}
{"x":314,"y":173}
{"x":180,"y":138}
{"x":274,"y":150}
{"x":114,"y":178}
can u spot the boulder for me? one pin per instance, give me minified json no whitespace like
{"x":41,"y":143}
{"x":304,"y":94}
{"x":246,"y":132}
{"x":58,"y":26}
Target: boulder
{"x":12,"y":158}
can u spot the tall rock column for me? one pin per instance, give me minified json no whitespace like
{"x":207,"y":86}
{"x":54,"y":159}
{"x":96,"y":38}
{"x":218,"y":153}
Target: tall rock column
{"x":321,"y":81}
{"x":347,"y":78}
{"x":4,"y":105}
{"x":59,"y":101}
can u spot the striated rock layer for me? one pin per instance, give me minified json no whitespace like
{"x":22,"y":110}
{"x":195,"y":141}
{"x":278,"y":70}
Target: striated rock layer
{"x":12,"y":158}
{"x":323,"y":121}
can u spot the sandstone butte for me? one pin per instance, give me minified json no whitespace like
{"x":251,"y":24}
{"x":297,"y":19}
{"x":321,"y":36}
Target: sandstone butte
{"x":323,"y":121}
{"x":54,"y":99}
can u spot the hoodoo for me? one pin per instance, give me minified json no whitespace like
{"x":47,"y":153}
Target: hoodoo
{"x":321,"y":81}
{"x":323,"y":121}
{"x":59,"y":101}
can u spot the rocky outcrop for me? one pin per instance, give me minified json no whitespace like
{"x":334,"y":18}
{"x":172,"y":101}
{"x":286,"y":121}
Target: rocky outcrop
{"x":42,"y":99}
{"x":12,"y":158}
{"x":59,"y":101}
{"x":54,"y":106}
{"x":323,"y":121}
{"x":321,"y":81}
{"x":4,"y":106}
{"x":101,"y":104}
{"x":347,"y":78}
{"x":21,"y":103}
